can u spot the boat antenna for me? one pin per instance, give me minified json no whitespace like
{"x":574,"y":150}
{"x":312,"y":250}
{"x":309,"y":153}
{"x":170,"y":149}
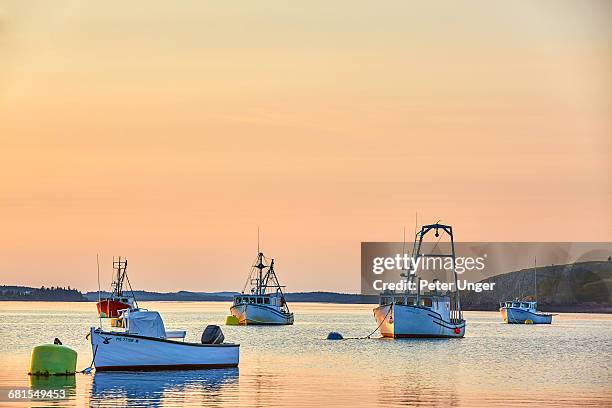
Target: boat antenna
{"x":405,"y":271}
{"x":98,"y":266}
{"x":130,"y":285}
{"x":416,"y":231}
{"x":404,"y":243}
{"x":535,"y":278}
{"x":258,"y":239}
{"x":412,"y":273}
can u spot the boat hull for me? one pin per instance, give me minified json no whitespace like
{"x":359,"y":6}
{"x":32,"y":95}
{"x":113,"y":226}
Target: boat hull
{"x":123,"y":352}
{"x":260,"y":314}
{"x":402,"y":321}
{"x":513,"y":315}
{"x":111,"y":308}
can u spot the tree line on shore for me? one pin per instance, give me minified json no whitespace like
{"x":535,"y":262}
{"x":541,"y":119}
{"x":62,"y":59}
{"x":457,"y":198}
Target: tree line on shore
{"x":53,"y":293}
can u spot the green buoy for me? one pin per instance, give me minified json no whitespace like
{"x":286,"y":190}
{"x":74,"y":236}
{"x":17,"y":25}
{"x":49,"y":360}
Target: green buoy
{"x":232,"y":321}
{"x":53,"y":359}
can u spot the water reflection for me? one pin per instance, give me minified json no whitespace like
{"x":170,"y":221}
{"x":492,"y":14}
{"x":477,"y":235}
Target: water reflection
{"x":67,"y":383}
{"x":294,"y":366}
{"x":152,"y":389}
{"x":52,"y":382}
{"x":416,"y":389}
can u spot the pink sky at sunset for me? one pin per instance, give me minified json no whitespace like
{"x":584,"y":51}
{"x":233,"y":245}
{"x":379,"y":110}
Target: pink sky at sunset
{"x":169,"y":132}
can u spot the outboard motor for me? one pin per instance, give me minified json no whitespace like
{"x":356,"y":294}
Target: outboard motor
{"x":212,"y":335}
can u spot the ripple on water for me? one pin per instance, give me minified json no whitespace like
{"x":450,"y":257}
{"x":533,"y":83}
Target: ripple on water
{"x":564,"y":364}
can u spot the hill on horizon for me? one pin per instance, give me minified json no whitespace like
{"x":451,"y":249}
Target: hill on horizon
{"x":587,"y":285}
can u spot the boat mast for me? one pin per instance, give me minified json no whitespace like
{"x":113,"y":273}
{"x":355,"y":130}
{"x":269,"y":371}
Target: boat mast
{"x":405,"y":272}
{"x":535,"y":279}
{"x":259,"y":264}
{"x":266,"y":280}
{"x":259,"y":289}
{"x":455,"y":307}
{"x":121,"y":267}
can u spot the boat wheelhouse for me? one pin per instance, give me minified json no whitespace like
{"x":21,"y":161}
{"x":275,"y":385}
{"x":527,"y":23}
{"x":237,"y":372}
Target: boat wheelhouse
{"x":119,"y":300}
{"x":523,"y":312}
{"x":412,"y":314}
{"x":145,"y":344}
{"x":265,"y":303}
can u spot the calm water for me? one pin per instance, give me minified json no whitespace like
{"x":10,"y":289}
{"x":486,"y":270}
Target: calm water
{"x":564,"y":364}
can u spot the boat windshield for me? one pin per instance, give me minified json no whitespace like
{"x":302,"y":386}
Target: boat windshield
{"x":426,"y":302}
{"x":265,"y":300}
{"x":385,"y":301}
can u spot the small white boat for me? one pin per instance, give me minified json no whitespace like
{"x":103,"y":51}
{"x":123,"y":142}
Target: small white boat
{"x":265,"y":304}
{"x":146,"y":345}
{"x":523,"y":312}
{"x":411,"y":314}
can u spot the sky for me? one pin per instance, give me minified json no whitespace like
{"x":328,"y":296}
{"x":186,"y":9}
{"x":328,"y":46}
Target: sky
{"x":169,"y":132}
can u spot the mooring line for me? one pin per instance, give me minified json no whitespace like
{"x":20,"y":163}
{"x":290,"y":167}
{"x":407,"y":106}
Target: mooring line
{"x":375,"y":330}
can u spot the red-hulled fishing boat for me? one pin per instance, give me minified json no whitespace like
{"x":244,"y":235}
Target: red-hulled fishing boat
{"x":118,"y":300}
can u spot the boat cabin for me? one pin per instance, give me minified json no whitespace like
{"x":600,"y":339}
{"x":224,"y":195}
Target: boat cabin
{"x":440,"y":303}
{"x":256,"y":299}
{"x":270,"y":299}
{"x":148,"y":323}
{"x":274,"y":301}
{"x":516,"y":304}
{"x":126,"y":300}
{"x":434,"y":302}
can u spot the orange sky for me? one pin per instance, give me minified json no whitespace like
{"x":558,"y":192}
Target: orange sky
{"x":168,"y":132}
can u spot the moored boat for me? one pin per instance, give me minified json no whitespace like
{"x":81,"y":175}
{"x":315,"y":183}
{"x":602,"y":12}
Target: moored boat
{"x":265,"y":303}
{"x":412,"y":314}
{"x":409,"y":316}
{"x":522,"y":312}
{"x":146,"y":345}
{"x":119,"y":300}
{"x":525,"y":311}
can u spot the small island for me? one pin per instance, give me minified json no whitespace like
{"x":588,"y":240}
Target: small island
{"x":50,"y":294}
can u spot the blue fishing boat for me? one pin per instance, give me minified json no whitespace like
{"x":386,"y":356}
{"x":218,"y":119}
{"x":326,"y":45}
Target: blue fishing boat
{"x":525,"y":311}
{"x":521,"y":312}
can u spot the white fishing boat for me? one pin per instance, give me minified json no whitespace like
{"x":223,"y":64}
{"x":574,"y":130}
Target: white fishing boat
{"x":265,"y":302}
{"x":146,"y":345}
{"x":412,"y":314}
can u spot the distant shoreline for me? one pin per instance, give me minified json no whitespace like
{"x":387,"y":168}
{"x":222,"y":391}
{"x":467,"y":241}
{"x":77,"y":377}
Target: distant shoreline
{"x":582,"y":287}
{"x":590,"y":308}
